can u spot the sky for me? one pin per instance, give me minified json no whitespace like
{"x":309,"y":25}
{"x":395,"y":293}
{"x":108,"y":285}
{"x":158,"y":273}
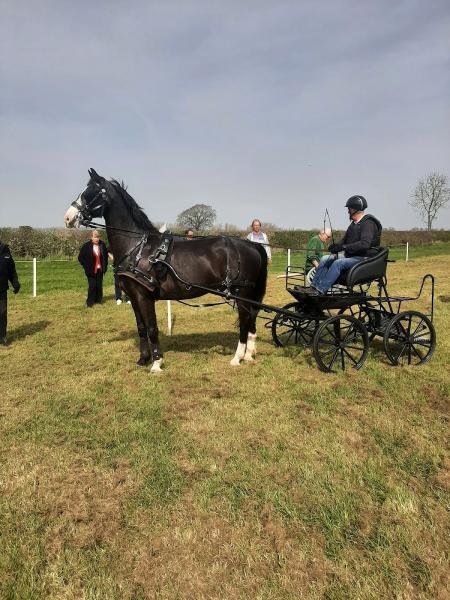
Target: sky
{"x":262,"y":109}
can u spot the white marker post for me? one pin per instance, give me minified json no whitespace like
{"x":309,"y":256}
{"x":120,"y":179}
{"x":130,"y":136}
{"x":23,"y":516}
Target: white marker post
{"x":407,"y":251}
{"x":169,"y":317}
{"x":289,"y":257}
{"x":34,"y":278}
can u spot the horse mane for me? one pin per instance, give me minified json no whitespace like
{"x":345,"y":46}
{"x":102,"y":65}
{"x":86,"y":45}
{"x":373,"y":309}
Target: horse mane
{"x":135,"y":211}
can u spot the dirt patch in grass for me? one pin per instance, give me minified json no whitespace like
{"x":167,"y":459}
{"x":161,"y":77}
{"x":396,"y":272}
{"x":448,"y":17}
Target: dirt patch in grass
{"x":208,"y":557}
{"x":78,"y":503}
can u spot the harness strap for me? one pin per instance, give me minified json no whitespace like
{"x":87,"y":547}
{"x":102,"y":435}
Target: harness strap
{"x":118,"y":265}
{"x":205,"y":304}
{"x":139,"y":277}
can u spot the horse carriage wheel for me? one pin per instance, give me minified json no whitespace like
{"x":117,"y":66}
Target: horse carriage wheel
{"x":288,"y":331}
{"x":358,"y":311}
{"x":409,"y":338}
{"x":340,"y":342}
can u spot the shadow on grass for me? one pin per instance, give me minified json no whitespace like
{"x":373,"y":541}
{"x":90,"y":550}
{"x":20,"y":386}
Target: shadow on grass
{"x":28,"y":329}
{"x":188,"y":342}
{"x":376,"y":350}
{"x":107,"y":297}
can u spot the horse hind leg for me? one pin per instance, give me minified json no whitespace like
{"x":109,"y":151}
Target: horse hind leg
{"x":250,"y":352}
{"x":244,"y":325}
{"x":239,"y":354}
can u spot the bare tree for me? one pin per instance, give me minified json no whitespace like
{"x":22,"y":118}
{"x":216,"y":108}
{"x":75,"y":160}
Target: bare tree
{"x":430,"y":195}
{"x":197,"y":217}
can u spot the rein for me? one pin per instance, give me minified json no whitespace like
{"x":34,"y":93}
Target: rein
{"x":94,"y":225}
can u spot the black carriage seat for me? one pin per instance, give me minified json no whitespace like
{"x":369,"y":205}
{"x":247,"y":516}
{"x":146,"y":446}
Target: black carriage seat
{"x":368,"y":270}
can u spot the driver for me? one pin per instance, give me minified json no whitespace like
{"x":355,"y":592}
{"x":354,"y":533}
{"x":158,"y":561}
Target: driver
{"x":360,"y":240}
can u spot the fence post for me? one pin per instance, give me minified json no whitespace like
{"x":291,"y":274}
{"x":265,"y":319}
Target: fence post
{"x":34,"y":278}
{"x":407,"y":251}
{"x":169,"y":317}
{"x":289,"y":257}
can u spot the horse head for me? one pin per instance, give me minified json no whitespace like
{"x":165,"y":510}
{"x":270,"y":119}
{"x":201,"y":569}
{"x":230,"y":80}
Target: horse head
{"x":89,"y":204}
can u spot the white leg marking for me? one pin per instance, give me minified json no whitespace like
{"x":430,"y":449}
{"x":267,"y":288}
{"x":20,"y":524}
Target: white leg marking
{"x":251,"y":347}
{"x":156,"y":366}
{"x":240,"y":353}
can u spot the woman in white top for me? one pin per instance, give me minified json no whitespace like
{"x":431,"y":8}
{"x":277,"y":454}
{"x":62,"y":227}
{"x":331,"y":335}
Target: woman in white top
{"x":256,"y":235}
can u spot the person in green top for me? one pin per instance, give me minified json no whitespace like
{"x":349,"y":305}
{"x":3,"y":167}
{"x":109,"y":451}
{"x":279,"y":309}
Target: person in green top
{"x":315,"y":250}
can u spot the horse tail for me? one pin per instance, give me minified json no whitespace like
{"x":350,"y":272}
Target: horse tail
{"x":261,"y":280}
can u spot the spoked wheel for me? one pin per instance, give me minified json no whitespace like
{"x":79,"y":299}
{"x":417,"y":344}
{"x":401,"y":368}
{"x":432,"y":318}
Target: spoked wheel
{"x":362,"y":313}
{"x":340,"y":342}
{"x":409,"y":339}
{"x":287,"y":331}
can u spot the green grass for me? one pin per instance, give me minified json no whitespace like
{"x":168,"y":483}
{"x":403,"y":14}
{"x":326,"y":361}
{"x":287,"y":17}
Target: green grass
{"x":267,"y":481}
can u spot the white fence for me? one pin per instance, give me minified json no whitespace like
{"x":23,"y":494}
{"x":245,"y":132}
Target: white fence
{"x":34,"y":292}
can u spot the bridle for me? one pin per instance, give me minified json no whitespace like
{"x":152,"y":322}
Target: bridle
{"x":86,"y":213}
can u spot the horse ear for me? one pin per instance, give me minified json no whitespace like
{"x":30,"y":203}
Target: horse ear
{"x":95,"y":176}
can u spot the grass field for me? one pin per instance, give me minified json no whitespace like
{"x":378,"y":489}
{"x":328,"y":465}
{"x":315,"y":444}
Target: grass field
{"x":267,"y":481}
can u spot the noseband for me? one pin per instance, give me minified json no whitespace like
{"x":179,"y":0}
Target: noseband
{"x":87,"y":214}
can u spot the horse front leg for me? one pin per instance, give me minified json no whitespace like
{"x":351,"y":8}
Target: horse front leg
{"x":153,"y":334}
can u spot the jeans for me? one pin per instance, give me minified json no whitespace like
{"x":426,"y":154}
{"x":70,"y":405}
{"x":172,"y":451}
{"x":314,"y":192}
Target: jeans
{"x":118,"y":290}
{"x":329,"y":270}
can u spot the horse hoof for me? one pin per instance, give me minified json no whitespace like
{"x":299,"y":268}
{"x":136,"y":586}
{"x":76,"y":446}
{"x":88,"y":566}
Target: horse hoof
{"x":235,"y":362}
{"x":142,"y":362}
{"x":156,"y":366}
{"x":249,"y":358}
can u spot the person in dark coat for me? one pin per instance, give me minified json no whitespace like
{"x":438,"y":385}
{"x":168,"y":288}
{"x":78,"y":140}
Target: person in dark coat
{"x":93,"y":257}
{"x":361,"y":239}
{"x":8,"y":275}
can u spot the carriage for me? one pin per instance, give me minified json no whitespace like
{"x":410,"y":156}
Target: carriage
{"x":339,"y":325}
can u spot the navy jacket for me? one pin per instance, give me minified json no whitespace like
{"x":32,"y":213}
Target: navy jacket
{"x":8,"y":272}
{"x":87,"y":260}
{"x":361,"y":237}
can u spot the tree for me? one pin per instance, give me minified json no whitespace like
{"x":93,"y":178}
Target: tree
{"x":197,"y":217}
{"x":430,"y":195}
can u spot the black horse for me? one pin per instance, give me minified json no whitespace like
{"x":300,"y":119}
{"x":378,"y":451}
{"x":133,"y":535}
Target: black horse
{"x":154,"y":266}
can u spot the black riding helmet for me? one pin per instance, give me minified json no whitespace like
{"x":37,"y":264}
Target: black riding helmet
{"x":357,"y":203}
